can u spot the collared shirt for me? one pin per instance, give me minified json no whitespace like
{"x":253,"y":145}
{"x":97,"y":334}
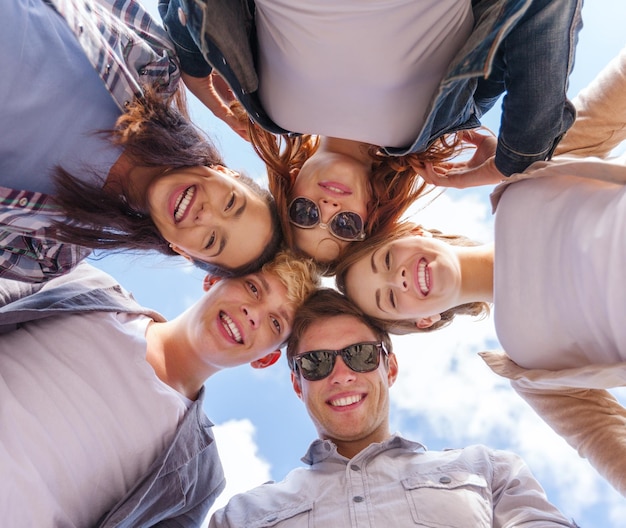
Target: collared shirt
{"x":124,"y":44}
{"x":129,"y":50}
{"x":183,"y":482}
{"x":29,"y":250}
{"x":397,"y":483}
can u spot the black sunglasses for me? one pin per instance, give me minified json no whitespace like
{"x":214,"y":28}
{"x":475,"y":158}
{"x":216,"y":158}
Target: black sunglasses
{"x":345,"y":225}
{"x":318,"y":364}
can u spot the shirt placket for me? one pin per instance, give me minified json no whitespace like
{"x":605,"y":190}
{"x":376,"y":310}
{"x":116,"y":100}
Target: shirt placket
{"x":358,"y":494}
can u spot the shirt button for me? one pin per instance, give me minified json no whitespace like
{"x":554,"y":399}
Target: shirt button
{"x":445,"y":480}
{"x":358,"y":498}
{"x":355,"y":468}
{"x":23,"y":202}
{"x":182,"y":18}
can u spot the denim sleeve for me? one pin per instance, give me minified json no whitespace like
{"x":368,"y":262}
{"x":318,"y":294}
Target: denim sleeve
{"x":191,"y":59}
{"x":536,"y":60}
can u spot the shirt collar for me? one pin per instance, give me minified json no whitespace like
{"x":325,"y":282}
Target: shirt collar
{"x":321,"y":450}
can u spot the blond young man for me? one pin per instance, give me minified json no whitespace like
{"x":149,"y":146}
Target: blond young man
{"x":101,"y":420}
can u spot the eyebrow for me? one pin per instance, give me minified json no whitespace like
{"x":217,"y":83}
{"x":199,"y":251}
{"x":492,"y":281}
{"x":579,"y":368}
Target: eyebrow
{"x":237,"y":214}
{"x":375,"y":270}
{"x":242,"y":207}
{"x":282,"y":311}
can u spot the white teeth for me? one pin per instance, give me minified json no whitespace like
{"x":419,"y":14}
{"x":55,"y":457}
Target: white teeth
{"x":183,"y":201}
{"x":231,"y":327}
{"x":422,"y":277}
{"x":335,"y":189}
{"x":342,"y":402}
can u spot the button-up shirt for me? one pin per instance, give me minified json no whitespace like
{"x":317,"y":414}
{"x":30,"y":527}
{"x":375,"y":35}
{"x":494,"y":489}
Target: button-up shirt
{"x":397,"y":483}
{"x":129,"y":50}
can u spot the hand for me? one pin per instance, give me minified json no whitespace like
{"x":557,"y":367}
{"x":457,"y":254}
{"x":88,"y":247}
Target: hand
{"x":480,"y":169}
{"x":215,"y":94}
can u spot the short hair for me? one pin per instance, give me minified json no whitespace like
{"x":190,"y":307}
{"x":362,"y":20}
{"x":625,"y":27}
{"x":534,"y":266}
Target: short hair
{"x":326,"y":303}
{"x":403,"y":230}
{"x":300,"y":276}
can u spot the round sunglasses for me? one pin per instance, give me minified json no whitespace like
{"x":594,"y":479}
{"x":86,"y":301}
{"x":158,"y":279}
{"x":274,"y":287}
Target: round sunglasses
{"x":345,"y":225}
{"x":318,"y":364}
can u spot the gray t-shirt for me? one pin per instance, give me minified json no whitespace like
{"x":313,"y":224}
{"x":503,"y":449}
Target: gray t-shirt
{"x":53,"y":101}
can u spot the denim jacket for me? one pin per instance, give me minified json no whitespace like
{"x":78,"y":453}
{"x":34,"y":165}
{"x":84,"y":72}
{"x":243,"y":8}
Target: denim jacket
{"x":536,"y":111}
{"x":182,"y":484}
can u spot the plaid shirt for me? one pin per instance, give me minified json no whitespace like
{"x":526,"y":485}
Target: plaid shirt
{"x":124,"y":44}
{"x":28,"y":249}
{"x":128,"y":50}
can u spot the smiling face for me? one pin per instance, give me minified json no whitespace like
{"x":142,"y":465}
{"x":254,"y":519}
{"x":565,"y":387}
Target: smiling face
{"x":241,"y":320}
{"x":208,"y":214}
{"x":415,"y":277}
{"x":347,"y":407}
{"x":334,"y":182}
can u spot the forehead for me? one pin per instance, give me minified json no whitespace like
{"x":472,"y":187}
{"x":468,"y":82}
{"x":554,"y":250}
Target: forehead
{"x":334,"y":333}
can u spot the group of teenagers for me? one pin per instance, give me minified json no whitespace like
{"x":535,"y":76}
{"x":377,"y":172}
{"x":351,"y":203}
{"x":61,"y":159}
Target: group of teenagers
{"x":357,"y":109}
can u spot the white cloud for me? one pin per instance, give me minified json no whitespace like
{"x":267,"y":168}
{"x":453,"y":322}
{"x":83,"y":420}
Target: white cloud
{"x":243,"y":467}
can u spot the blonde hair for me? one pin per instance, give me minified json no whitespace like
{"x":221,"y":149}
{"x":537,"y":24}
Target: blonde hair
{"x":404,"y":230}
{"x":299,"y":275}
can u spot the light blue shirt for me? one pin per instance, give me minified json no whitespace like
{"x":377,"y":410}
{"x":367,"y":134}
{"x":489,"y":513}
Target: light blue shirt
{"x":397,"y":483}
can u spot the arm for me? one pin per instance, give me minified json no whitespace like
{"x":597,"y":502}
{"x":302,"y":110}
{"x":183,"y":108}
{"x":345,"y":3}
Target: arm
{"x":592,"y":421}
{"x":518,"y":498}
{"x":213,"y":92}
{"x":197,"y":74}
{"x":601,"y":113}
{"x":535,"y":110}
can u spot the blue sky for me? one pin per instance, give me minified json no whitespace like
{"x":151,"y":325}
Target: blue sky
{"x":444,"y":397}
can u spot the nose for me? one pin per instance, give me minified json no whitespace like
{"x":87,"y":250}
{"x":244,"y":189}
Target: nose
{"x":400,"y":278}
{"x":205,"y":215}
{"x":341,"y":373}
{"x":328,"y":208}
{"x":251,"y":315}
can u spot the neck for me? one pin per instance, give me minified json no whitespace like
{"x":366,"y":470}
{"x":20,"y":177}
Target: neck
{"x":476,"y":273}
{"x":348,"y":147}
{"x":350,"y":448}
{"x":173,"y":360}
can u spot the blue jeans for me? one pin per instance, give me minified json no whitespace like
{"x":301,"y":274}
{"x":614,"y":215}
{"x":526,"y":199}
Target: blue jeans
{"x":527,"y":48}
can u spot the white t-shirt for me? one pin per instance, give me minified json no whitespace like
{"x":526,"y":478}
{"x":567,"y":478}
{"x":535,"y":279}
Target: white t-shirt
{"x":356,"y":69}
{"x":82,"y":417}
{"x":559,"y":292}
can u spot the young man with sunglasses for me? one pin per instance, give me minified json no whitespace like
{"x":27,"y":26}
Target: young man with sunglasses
{"x":360,"y":474}
{"x":101,"y":400}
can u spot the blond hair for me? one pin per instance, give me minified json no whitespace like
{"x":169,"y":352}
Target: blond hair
{"x":299,"y":275}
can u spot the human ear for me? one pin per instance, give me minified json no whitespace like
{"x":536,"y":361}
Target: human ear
{"x":266,"y":361}
{"x":181,"y":252}
{"x":392,"y":369}
{"x":427,"y":322}
{"x":226,"y":170}
{"x":295,"y":382}
{"x":209,"y":280}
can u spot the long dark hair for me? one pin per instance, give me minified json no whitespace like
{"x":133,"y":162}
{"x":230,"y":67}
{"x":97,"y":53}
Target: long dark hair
{"x":152,"y":133}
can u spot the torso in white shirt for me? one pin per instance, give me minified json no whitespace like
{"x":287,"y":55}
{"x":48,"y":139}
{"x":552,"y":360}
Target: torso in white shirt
{"x":559,"y":293}
{"x":361,"y":70}
{"x":82,"y":417}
